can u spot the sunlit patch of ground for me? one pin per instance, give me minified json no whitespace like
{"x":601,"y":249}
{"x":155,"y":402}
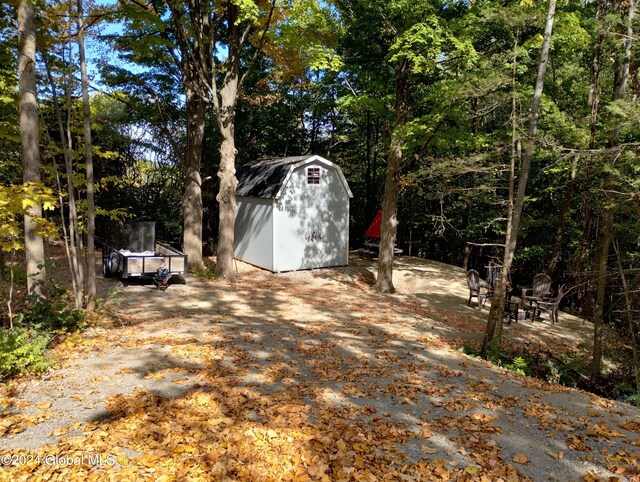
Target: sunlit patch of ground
{"x":304,"y":376}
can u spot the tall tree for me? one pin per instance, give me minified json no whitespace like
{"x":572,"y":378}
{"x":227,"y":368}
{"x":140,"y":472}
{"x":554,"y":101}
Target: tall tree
{"x":34,"y":244}
{"x":410,"y":47}
{"x":70,"y":233}
{"x":605,"y":229}
{"x":395,"y":163}
{"x":86,"y":121}
{"x":205,"y":42}
{"x":493,"y":333}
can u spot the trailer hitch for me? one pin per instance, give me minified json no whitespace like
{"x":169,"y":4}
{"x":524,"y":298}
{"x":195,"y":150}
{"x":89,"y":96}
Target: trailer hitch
{"x":161,"y":279}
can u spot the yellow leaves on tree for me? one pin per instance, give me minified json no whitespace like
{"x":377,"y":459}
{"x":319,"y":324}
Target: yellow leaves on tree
{"x":15,"y":201}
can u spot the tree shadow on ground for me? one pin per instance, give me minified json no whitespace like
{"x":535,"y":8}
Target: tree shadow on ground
{"x":283,"y":380}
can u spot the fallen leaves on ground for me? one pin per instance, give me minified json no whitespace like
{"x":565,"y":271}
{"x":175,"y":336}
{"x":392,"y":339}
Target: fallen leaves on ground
{"x":521,"y":459}
{"x":267,"y":397}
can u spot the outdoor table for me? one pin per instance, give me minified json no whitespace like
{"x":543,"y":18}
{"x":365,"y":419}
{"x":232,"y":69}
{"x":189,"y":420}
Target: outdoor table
{"x":512,"y":310}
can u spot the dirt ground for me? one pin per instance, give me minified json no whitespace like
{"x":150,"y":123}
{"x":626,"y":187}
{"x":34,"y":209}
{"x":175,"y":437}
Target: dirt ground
{"x":443,"y":288}
{"x":307,"y":376}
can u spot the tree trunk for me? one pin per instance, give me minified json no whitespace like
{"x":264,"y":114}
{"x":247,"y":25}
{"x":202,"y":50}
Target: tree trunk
{"x":389,"y":222}
{"x":374,"y":169}
{"x":629,"y":312}
{"x":493,"y":335}
{"x":605,"y":232}
{"x":86,"y":120}
{"x":73,"y":212}
{"x":226,"y":113}
{"x":227,"y":203}
{"x":70,"y":234}
{"x":594,"y":103}
{"x":604,"y":237}
{"x":192,"y":199}
{"x":368,"y":182}
{"x":33,"y":242}
{"x":556,"y":254}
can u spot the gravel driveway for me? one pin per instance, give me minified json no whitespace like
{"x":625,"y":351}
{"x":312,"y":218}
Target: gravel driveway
{"x":308,"y":376}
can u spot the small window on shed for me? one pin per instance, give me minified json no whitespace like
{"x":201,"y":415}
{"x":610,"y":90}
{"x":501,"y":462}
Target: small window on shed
{"x":313,"y":175}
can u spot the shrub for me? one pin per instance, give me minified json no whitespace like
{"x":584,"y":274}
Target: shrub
{"x":632,"y":399}
{"x":204,"y":272}
{"x":518,"y":365}
{"x":469,"y":350}
{"x":53,"y":314}
{"x":22,"y":351}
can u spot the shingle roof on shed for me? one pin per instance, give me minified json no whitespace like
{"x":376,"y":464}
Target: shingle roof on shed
{"x":263,"y":178}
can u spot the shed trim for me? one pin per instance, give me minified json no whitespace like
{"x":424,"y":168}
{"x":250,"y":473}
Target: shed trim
{"x":274,"y":230}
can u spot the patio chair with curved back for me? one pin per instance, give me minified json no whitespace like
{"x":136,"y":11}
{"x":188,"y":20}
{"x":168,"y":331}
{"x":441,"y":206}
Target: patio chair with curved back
{"x":541,"y":289}
{"x":476,"y":289}
{"x":551,"y":305}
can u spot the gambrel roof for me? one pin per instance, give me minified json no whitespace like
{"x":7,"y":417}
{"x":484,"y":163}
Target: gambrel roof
{"x":265,"y":178}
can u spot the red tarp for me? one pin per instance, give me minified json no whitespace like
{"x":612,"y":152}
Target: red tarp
{"x":374,"y":229}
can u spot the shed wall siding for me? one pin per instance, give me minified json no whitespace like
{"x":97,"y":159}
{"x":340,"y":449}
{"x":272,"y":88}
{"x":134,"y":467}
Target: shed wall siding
{"x":311,"y":222}
{"x":253,"y":240}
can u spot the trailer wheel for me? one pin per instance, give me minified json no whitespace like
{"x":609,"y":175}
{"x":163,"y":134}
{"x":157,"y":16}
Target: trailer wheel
{"x":112,"y":264}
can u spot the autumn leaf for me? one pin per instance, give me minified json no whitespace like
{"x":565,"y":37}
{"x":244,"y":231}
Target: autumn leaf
{"x":601,"y":430}
{"x":471,"y":470}
{"x":426,"y":432}
{"x":521,"y":459}
{"x":428,"y":450}
{"x":59,"y":431}
{"x":631,"y":426}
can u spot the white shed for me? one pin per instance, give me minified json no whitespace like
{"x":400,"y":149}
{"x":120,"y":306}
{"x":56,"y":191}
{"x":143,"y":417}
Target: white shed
{"x":293,"y":213}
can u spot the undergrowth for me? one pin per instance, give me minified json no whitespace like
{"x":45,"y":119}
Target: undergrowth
{"x":22,"y":350}
{"x":570,"y":369}
{"x":205,"y":272}
{"x":35,"y":326}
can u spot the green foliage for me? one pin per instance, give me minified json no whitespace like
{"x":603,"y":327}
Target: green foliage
{"x":22,"y":348}
{"x":204,"y":272}
{"x":10,"y":160}
{"x":632,"y":399}
{"x":531,"y":253}
{"x":493,"y":351}
{"x":518,"y":365}
{"x":22,"y":351}
{"x":305,"y":39}
{"x":568,"y":368}
{"x":249,"y":11}
{"x":470,"y":350}
{"x":116,"y":214}
{"x":19,"y":275}
{"x":430,"y":45}
{"x":52,"y":314}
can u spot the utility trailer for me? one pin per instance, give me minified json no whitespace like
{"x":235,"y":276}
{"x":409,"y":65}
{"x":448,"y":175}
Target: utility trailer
{"x":144,"y":258}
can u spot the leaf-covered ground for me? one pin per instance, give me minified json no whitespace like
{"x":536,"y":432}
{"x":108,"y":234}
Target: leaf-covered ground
{"x":299,"y":377}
